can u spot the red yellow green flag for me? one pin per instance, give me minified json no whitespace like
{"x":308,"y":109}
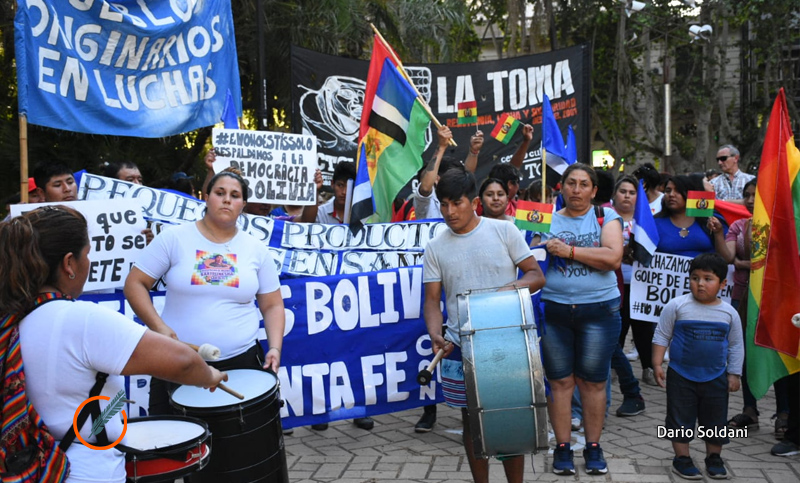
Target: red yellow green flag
{"x":773,"y":342}
{"x":700,"y":203}
{"x":534,"y":216}
{"x":467,"y":113}
{"x":505,"y":128}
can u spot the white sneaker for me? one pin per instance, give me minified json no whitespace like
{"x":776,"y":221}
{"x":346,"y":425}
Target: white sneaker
{"x":649,"y":377}
{"x":666,"y":356}
{"x":633,"y":355}
{"x":576,"y":424}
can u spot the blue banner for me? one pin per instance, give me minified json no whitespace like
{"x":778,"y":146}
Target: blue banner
{"x":353,"y":346}
{"x":128,"y":68}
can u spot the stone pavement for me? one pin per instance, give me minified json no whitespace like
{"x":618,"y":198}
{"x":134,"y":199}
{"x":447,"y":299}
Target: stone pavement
{"x":393,"y":452}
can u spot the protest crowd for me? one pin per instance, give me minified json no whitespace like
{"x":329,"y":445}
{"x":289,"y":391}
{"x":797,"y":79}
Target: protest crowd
{"x":471,"y":272}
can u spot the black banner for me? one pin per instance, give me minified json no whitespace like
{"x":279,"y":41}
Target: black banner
{"x":328,"y":93}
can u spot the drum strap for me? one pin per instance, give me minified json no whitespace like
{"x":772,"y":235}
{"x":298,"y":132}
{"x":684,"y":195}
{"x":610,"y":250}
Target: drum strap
{"x":93,"y":409}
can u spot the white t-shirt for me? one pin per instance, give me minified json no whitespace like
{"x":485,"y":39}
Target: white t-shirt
{"x":486,"y":257}
{"x":64,"y":345}
{"x":211,"y":287}
{"x":426,"y":207}
{"x":655,"y":205}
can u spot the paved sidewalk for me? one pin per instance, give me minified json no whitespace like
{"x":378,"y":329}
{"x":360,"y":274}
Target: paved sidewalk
{"x":393,"y":452}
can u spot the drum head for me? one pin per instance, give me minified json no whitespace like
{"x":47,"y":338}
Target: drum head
{"x":145,"y":434}
{"x":250,"y":383}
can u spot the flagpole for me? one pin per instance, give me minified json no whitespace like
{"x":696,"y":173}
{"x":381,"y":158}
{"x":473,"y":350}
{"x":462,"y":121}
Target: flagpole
{"x":403,"y":72}
{"x":23,"y":158}
{"x":544,"y":173}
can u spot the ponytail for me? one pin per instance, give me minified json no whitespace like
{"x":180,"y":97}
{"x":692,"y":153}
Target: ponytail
{"x":32,"y":247}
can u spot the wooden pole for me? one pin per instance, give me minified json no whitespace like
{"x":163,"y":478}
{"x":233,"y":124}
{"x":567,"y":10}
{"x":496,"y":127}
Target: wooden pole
{"x":23,"y":158}
{"x":544,"y":174}
{"x":403,"y":72}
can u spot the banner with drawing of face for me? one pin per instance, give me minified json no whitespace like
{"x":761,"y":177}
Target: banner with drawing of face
{"x":328,"y":94}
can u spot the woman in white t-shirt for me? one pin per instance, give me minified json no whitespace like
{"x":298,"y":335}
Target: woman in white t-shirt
{"x":65,"y":343}
{"x":214,"y":273}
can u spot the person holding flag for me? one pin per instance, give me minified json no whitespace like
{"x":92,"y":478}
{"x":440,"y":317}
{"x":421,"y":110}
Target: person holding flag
{"x":773,"y":335}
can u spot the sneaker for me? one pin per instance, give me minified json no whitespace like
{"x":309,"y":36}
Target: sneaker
{"x":785,"y":448}
{"x":715,"y":467}
{"x":288,"y":432}
{"x":649,"y":377}
{"x":576,"y":424}
{"x":562,"y":460}
{"x":633,"y":355}
{"x":593,"y":456}
{"x":319,"y":427}
{"x":425,"y":423}
{"x":684,"y":467}
{"x":631,"y":406}
{"x":364,"y":423}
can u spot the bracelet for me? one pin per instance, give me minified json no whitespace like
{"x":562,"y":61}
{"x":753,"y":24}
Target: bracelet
{"x":279,"y":351}
{"x":474,"y":153}
{"x":572,"y":253}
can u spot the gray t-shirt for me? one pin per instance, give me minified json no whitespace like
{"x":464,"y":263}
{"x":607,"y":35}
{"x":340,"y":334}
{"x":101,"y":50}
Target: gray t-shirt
{"x":486,"y":257}
{"x":704,"y":340}
{"x":425,"y":207}
{"x":573,"y":282}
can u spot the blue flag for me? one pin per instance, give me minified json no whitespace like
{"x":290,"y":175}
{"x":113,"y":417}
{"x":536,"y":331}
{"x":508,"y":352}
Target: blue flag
{"x":644,"y":235}
{"x":552,"y":140}
{"x":362,"y":204}
{"x":229,"y":113}
{"x":572,"y":147}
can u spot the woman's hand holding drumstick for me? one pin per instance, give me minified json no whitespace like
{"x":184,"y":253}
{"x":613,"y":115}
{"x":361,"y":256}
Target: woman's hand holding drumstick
{"x":209,"y":352}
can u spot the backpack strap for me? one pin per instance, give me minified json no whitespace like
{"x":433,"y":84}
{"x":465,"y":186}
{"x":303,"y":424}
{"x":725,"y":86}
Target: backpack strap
{"x":600,"y":214}
{"x":93,"y":409}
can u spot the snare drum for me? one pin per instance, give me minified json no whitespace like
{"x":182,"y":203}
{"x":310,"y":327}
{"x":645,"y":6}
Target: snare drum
{"x":503,"y":373}
{"x":248,"y":439}
{"x":163,"y":448}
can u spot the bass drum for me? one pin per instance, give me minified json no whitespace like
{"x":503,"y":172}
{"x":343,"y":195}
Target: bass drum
{"x":247,"y":435}
{"x":503,"y":372}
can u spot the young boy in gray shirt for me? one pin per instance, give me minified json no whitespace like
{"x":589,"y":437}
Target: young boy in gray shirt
{"x":704,"y":335}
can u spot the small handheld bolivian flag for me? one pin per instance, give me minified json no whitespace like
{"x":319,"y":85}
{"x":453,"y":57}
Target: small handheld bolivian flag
{"x":467,"y":113}
{"x":505,"y":129}
{"x":534,"y":216}
{"x":700,"y":203}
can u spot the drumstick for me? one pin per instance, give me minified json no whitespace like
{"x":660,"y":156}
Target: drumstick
{"x":206,"y":351}
{"x":209,"y":352}
{"x":230,"y":391}
{"x":424,"y":377}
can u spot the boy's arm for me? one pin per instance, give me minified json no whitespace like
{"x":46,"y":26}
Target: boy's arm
{"x":475,"y":145}
{"x":434,"y":319}
{"x":662,"y":338}
{"x":532,"y":276}
{"x":428,"y":179}
{"x":735,"y":352}
{"x":658,"y":359}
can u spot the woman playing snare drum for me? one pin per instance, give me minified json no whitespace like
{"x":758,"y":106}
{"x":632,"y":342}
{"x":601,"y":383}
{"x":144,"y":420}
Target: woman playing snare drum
{"x":44,"y":255}
{"x":214,"y":273}
{"x":582,"y":314}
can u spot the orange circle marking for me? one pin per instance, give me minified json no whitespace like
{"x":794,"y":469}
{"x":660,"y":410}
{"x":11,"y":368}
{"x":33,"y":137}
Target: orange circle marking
{"x":78,"y":434}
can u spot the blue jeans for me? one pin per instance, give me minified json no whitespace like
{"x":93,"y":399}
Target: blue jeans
{"x":580,"y":339}
{"x":628,"y":384}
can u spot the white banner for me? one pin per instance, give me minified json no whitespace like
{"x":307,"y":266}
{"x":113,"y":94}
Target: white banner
{"x":278,"y":167}
{"x":115,"y":238}
{"x":666,"y":278}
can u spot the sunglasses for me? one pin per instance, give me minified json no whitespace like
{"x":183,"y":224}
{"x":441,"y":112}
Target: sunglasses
{"x":723,"y":158}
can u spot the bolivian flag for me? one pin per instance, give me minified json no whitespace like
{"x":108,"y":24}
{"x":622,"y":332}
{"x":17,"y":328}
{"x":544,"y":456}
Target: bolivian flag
{"x":534,"y":216}
{"x":700,"y":203}
{"x":467,"y":113}
{"x":505,"y":128}
{"x":773,"y":342}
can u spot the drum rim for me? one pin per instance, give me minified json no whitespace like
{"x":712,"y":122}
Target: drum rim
{"x":148,"y":454}
{"x":204,"y":410}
